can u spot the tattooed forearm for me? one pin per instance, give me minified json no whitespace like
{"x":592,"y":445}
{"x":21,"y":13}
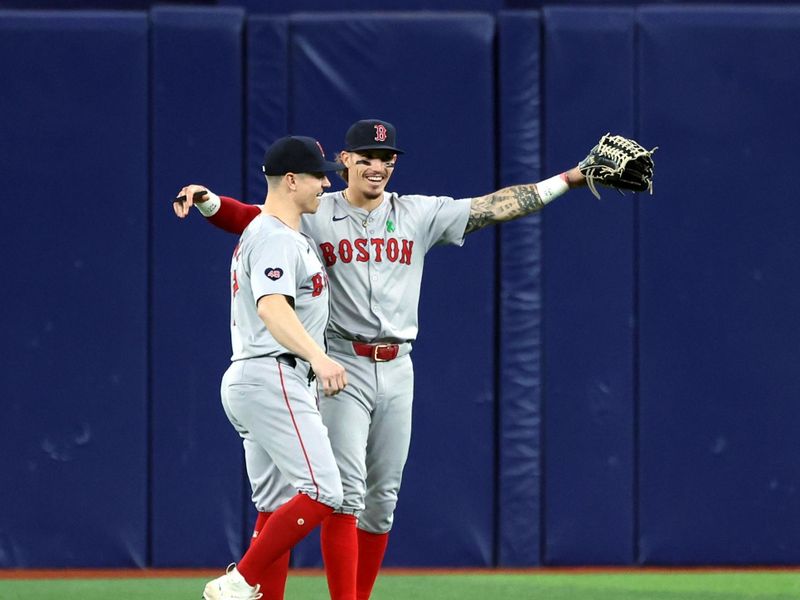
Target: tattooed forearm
{"x":504,"y":205}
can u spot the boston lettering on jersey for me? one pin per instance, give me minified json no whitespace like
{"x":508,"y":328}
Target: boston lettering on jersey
{"x":362,"y":250}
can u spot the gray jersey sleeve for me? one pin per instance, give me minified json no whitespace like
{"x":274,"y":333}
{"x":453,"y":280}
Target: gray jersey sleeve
{"x":273,"y":267}
{"x":445,"y":220}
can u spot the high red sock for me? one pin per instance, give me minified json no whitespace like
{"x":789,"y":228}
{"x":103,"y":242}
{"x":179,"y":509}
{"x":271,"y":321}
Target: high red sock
{"x":371,"y":548}
{"x":288,"y":525}
{"x":340,"y":553}
{"x":272,"y":579}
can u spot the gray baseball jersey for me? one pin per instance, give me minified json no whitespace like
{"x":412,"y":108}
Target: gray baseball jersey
{"x":272,"y":258}
{"x":375,"y":260}
{"x":272,"y":405}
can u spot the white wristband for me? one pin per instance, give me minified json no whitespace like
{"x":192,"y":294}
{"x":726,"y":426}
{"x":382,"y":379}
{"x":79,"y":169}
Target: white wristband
{"x":552,"y":188}
{"x":209,"y":207}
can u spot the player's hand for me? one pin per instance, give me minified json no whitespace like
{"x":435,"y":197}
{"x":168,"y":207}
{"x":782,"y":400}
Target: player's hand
{"x":330,"y":374}
{"x":575,"y":178}
{"x":188,"y":197}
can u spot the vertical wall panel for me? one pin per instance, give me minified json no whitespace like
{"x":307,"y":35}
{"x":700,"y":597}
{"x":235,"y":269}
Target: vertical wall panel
{"x":520,"y":347}
{"x":197,"y":495}
{"x":73,"y":150}
{"x":588,"y":296}
{"x":267,"y":96}
{"x":719,"y":287}
{"x":401,"y":68}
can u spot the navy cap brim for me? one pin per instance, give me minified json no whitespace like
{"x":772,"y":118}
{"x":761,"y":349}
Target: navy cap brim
{"x":376,"y":147}
{"x":329,"y":167}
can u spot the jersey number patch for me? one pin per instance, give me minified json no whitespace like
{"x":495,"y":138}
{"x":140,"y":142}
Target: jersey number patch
{"x":273,"y":273}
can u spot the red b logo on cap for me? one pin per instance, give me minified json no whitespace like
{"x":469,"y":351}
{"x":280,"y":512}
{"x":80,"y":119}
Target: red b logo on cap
{"x":380,"y":132}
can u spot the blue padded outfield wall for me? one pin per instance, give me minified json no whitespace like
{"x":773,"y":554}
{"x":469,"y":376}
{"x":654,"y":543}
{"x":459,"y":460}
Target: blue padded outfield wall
{"x":589,"y":303}
{"x":720,"y":336}
{"x":74,"y":155}
{"x":607,"y":382}
{"x":196,"y":89}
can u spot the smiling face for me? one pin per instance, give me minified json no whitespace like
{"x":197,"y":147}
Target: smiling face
{"x":309,"y":187}
{"x":368,"y":172}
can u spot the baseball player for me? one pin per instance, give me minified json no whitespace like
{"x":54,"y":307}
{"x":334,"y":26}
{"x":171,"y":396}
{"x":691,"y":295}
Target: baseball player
{"x":373,"y":244}
{"x":279,"y":312}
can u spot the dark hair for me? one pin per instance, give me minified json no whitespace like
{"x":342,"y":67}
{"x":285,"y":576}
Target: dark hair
{"x":343,"y":172}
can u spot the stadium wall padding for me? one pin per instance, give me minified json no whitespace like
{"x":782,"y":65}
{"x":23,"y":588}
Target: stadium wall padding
{"x":397,"y":6}
{"x":519,"y":355}
{"x":273,"y":7}
{"x":267,"y":95}
{"x":74,"y":154}
{"x":719,"y":299}
{"x":610,"y":382}
{"x":589,"y":318}
{"x":197,"y":86}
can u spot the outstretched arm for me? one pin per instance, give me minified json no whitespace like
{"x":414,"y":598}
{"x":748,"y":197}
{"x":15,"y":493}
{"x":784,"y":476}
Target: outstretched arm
{"x":517,"y":201}
{"x":223,"y":212}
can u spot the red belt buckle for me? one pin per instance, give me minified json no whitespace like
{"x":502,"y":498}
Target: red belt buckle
{"x":377,"y":348}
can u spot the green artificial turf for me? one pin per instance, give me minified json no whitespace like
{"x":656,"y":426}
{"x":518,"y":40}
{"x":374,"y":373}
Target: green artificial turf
{"x":482,"y":586}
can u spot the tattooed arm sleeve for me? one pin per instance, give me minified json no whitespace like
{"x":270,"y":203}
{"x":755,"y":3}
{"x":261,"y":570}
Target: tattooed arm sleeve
{"x":503,"y":205}
{"x":517,"y":201}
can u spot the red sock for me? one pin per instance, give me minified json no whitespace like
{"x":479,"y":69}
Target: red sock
{"x":340,"y":553}
{"x":288,"y":525}
{"x":371,"y":548}
{"x":261,"y":520}
{"x":272,"y":579}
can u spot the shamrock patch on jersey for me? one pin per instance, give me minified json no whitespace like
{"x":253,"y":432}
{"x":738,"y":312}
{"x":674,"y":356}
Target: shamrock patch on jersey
{"x":273,"y":273}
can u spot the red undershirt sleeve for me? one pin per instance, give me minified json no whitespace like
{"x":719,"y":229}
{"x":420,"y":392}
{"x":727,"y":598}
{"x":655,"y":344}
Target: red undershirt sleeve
{"x":233,"y":216}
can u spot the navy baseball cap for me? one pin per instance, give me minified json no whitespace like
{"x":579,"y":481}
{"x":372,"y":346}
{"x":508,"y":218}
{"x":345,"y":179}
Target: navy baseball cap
{"x":371,"y":134}
{"x":297,"y":154}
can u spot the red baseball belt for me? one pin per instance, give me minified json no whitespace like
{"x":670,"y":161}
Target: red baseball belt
{"x":377,"y":352}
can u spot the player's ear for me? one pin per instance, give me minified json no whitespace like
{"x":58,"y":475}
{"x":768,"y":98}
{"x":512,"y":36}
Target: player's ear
{"x":291,"y":181}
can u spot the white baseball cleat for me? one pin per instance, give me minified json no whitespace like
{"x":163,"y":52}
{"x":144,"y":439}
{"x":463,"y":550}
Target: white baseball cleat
{"x":231,"y":586}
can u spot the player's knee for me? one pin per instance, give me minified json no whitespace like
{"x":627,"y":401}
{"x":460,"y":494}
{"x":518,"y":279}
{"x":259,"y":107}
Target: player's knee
{"x":353,"y":497}
{"x":268,"y":499}
{"x":331,"y":493}
{"x":378,"y":513}
{"x":337,"y":499}
{"x":373,"y":521}
{"x":326,"y":498}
